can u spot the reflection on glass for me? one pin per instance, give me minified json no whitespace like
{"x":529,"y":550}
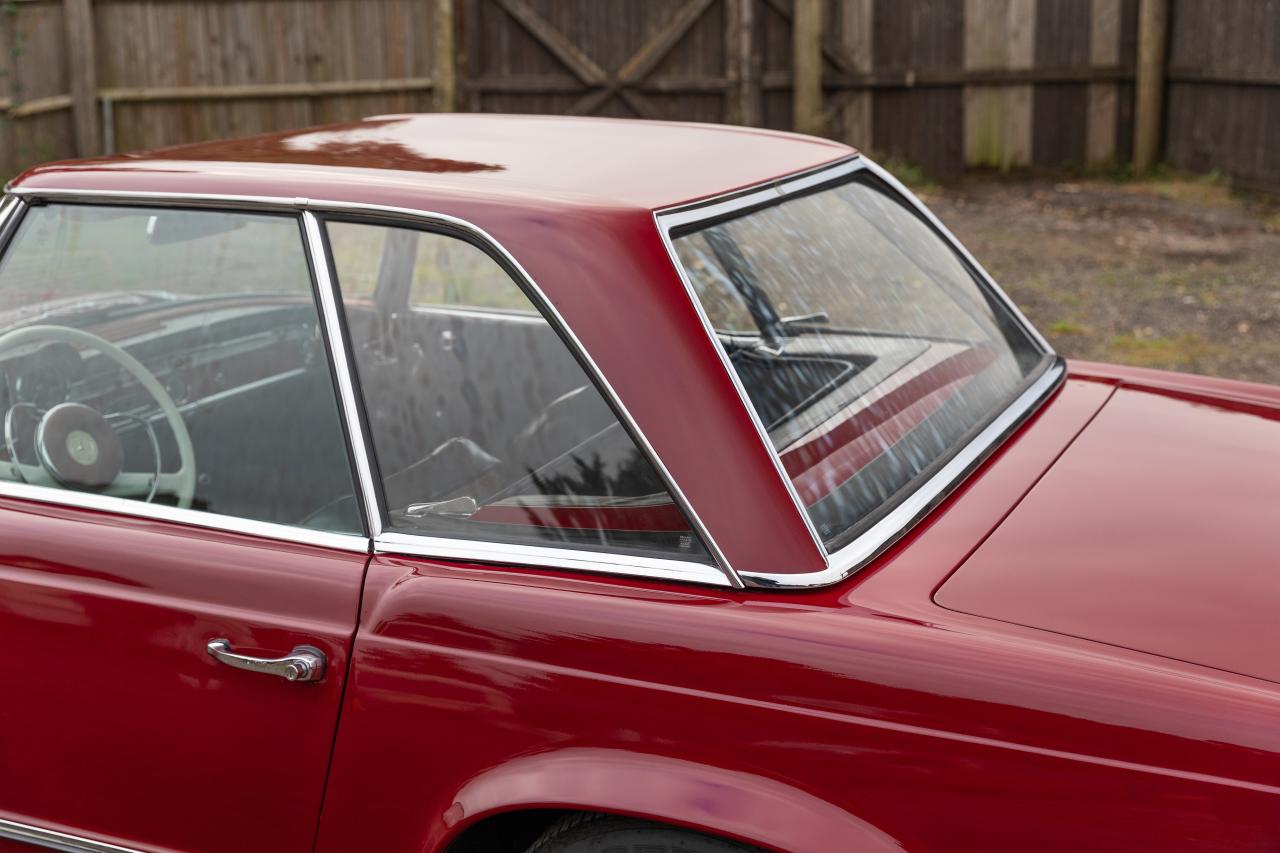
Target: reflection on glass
{"x":867,"y":347}
{"x":170,"y":356}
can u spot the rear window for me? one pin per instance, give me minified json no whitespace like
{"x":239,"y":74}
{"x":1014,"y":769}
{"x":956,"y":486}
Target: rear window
{"x":866,"y":345}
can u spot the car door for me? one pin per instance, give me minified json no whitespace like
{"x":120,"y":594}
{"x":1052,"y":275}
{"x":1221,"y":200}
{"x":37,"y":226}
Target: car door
{"x":181,"y":551}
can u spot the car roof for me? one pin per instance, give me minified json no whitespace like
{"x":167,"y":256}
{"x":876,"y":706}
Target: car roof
{"x":569,"y":161}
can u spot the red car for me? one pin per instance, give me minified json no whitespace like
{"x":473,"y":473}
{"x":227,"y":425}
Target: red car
{"x":493,"y":484}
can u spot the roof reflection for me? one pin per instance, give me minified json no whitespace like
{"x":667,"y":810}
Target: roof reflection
{"x":371,"y":144}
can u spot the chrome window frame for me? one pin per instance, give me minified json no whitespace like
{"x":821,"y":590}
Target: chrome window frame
{"x":872,"y":542}
{"x":342,"y":370}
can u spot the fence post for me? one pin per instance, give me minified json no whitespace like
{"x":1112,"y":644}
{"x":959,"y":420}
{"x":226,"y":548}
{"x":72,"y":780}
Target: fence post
{"x":1148,"y":120}
{"x":444,"y":85}
{"x":78,"y":15}
{"x":806,"y":59}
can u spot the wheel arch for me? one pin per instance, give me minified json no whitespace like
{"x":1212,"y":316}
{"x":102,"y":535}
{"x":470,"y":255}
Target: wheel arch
{"x":732,"y":804}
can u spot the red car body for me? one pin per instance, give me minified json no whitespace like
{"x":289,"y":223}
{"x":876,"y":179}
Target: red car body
{"x":1074,"y":650}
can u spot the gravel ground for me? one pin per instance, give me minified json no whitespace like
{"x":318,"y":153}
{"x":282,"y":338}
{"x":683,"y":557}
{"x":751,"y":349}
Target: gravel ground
{"x":1176,"y":273}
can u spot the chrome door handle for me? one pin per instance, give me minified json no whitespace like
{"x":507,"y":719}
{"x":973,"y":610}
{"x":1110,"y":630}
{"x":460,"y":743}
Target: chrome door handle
{"x":304,"y":663}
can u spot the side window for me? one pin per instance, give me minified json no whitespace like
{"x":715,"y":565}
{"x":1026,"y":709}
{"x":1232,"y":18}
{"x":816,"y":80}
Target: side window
{"x":483,"y":423}
{"x":170,"y":356}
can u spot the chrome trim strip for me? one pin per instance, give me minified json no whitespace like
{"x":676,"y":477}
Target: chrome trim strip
{"x":49,"y":839}
{"x":11,"y":212}
{"x":721,"y":574}
{"x":889,"y":529}
{"x":712,"y":209}
{"x":7,"y":208}
{"x":189,"y":517}
{"x":469,"y":550}
{"x":919,"y":503}
{"x":330,"y":317}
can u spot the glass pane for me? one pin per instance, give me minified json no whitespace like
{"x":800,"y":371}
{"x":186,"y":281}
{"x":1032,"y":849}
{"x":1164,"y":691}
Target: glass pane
{"x":172,"y":356}
{"x":483,"y":423}
{"x":866,"y":345}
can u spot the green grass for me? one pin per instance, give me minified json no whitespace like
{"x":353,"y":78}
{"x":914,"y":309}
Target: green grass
{"x":1182,"y":351}
{"x":1067,"y":327}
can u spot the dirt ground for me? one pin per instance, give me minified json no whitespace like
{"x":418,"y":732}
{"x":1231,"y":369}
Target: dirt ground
{"x":1174,"y":273}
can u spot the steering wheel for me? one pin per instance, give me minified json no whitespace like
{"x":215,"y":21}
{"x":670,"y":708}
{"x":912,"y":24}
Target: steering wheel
{"x":77,"y":445}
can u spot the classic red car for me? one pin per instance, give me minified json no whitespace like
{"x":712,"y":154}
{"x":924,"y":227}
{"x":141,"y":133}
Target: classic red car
{"x":491,"y":484}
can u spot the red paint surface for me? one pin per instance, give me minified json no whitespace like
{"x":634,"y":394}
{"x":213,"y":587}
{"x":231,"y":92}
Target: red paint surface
{"x":1181,"y":558}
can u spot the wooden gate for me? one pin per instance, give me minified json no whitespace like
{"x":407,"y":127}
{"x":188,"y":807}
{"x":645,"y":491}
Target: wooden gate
{"x":660,"y":59}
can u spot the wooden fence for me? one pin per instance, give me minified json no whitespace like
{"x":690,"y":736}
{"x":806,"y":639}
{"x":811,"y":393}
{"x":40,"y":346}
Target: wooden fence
{"x":1224,"y":90}
{"x":945,"y":84}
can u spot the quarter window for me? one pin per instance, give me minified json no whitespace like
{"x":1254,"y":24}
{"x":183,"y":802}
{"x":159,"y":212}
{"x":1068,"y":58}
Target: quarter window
{"x":483,"y":424}
{"x":170,"y":356}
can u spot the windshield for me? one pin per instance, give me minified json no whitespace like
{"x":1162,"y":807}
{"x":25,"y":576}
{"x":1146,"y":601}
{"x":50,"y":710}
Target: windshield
{"x":866,"y":344}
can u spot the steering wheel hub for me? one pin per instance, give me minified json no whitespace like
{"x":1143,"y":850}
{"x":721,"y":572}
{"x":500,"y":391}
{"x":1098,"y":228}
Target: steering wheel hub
{"x":78,"y":447}
{"x":82,"y":447}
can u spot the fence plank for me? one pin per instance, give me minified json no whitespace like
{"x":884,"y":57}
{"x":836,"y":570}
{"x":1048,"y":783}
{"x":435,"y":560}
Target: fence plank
{"x":752,"y":64}
{"x":445,"y":94}
{"x":1148,"y":120}
{"x":1060,"y":110}
{"x":858,"y":49}
{"x":806,"y":34}
{"x":1104,"y":49}
{"x":997,"y":129}
{"x":924,"y":126}
{"x":78,"y":18}
{"x":737,"y":50}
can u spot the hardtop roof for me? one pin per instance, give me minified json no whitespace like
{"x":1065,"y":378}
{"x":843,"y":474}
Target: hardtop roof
{"x":575,"y":161}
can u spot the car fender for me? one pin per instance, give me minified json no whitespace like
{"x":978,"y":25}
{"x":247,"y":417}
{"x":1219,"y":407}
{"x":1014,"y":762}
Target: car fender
{"x":729,"y":803}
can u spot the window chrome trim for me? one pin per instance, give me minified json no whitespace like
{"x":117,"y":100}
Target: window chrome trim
{"x":720,"y":573}
{"x":873,"y":541}
{"x":8,"y":208}
{"x":576,"y":559}
{"x":189,"y":517}
{"x":48,"y":839}
{"x":344,"y":369}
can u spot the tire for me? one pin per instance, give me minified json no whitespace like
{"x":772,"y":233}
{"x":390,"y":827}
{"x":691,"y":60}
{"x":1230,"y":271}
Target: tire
{"x":592,"y":833}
